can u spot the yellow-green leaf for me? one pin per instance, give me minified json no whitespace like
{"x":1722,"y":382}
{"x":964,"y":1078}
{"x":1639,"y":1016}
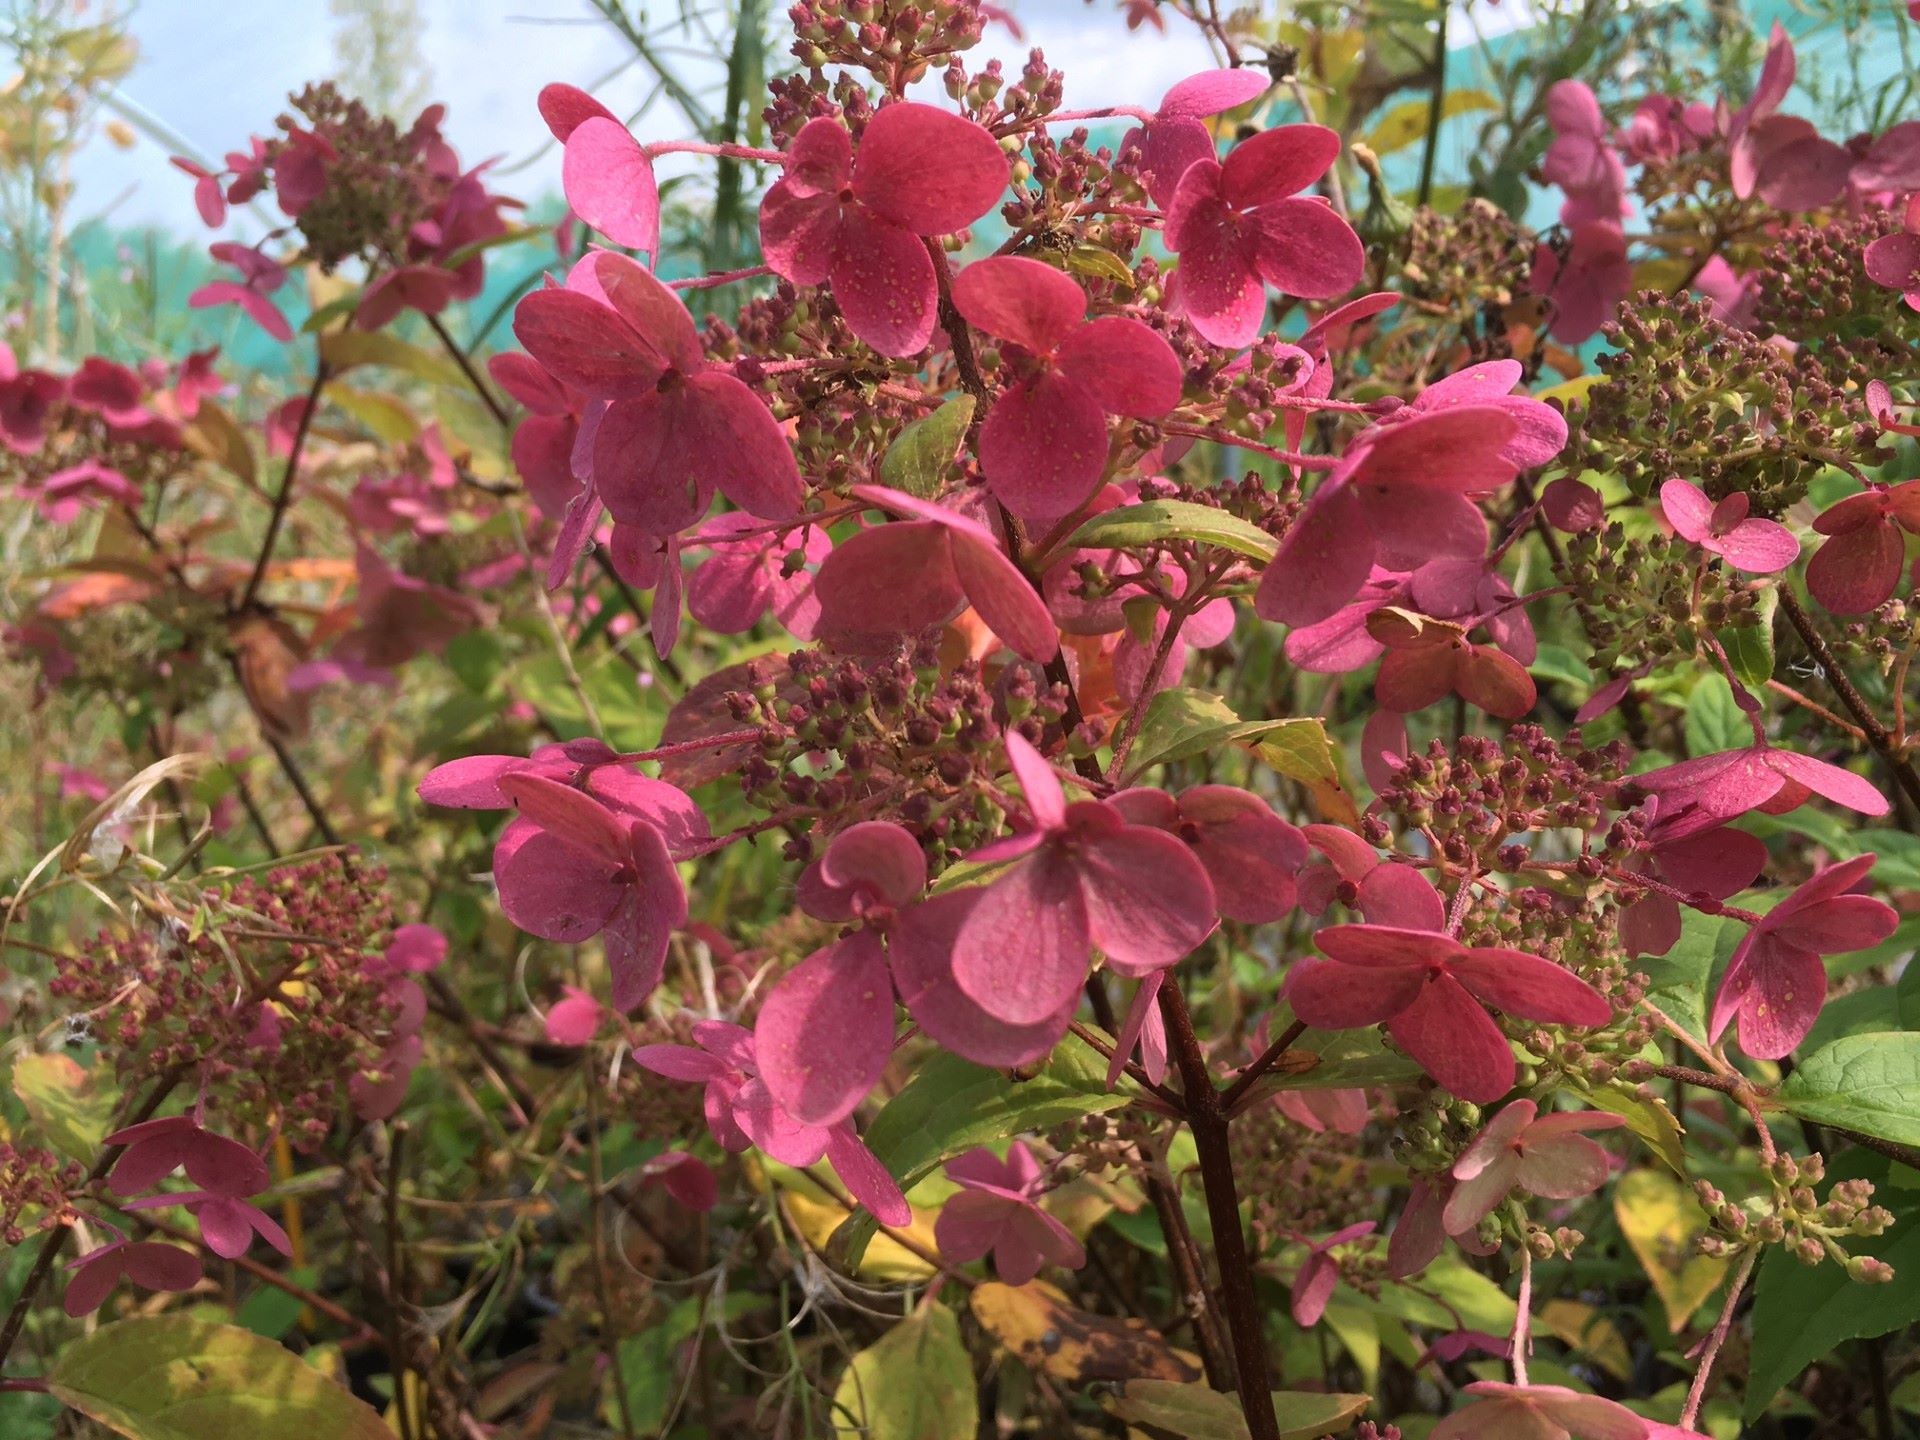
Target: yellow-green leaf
{"x":1661,"y":1221}
{"x":921,"y":460}
{"x":914,"y":1383}
{"x":66,"y":1101}
{"x":1197,"y":1412}
{"x":349,"y":349}
{"x":172,"y":1377}
{"x":1407,"y":122}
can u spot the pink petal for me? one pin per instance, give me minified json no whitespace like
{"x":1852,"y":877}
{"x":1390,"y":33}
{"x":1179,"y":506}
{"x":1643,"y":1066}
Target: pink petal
{"x":1400,"y":897}
{"x":575,"y":1020}
{"x":1277,"y":163}
{"x":1046,"y":800}
{"x":1456,"y":1042}
{"x":882,"y":278}
{"x":1304,"y":248}
{"x":1044,"y":446}
{"x":641,"y":927}
{"x":566,"y":813}
{"x":1386,"y":947}
{"x":608,"y":179}
{"x":1563,"y":1168}
{"x":566,"y":107}
{"x":154,"y":1266}
{"x":1212,"y":92}
{"x":922,"y":945}
{"x":679,"y":1062}
{"x":890,"y":579}
{"x":552,"y":889}
{"x":745,"y":452}
{"x":1041,"y":1240}
{"x":879,"y":857}
{"x":798,"y":230}
{"x":1223,"y":297}
{"x":1004,"y":598}
{"x":663,"y":807}
{"x":1839,"y":926}
{"x":1312,"y":1288}
{"x":1021,"y":953}
{"x":1250,"y":854}
{"x":94,"y":1281}
{"x":1128,"y":368}
{"x":865,"y":1177}
{"x":1687,"y":509}
{"x":1025,"y":301}
{"x":927,"y":170}
{"x":1330,"y":996}
{"x":1528,"y":986}
{"x":1759,"y":547}
{"x":1829,"y":782}
{"x":1324,"y":560}
{"x":971,"y":1225}
{"x":1857,"y":570}
{"x":820,"y":160}
{"x":826,"y":1029}
{"x":473,"y":782}
{"x":585,"y":345}
{"x":1148,"y":900}
{"x":650,"y":459}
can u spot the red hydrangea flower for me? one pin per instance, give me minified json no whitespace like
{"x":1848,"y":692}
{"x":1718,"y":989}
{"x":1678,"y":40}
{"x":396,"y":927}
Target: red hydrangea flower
{"x":1759,"y":547}
{"x":1775,"y":983}
{"x":1239,"y":225}
{"x":1585,"y":281}
{"x":1082,"y":876}
{"x":1043,"y":446}
{"x":742,"y":1113}
{"x":1782,"y":158}
{"x":998,"y":1212}
{"x":1544,"y":1155}
{"x":1319,"y":1273}
{"x":1250,"y":854}
{"x":227,"y":1224}
{"x":1176,"y":137}
{"x":907,"y":577}
{"x":1428,"y":659}
{"x":1858,"y":567}
{"x":1431,"y":991}
{"x":569,"y":868}
{"x":1699,"y":794}
{"x":854,"y":221}
{"x":673,"y":430}
{"x":1538,"y":1412}
{"x":1715,"y":863}
{"x":1399,"y":498}
{"x":147,"y":1263}
{"x":156,"y":1148}
{"x":259,"y":278}
{"x":1581,"y":159}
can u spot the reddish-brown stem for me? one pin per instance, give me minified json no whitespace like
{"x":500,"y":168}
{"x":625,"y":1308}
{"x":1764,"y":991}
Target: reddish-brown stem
{"x":1697,"y":1392}
{"x":321,"y":373}
{"x":1225,"y":437}
{"x":1209,"y":1122}
{"x":1235,"y":1094}
{"x":1855,"y":703}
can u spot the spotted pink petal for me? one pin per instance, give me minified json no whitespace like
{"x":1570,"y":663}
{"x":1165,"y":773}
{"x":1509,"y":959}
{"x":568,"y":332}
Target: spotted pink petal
{"x":1044,"y":446}
{"x":1013,"y":298}
{"x":1278,"y":162}
{"x":1325,"y":558}
{"x":926,"y":169}
{"x":586,"y":346}
{"x":1148,"y":899}
{"x":1529,"y":986}
{"x":826,"y":1029}
{"x":1303,"y":248}
{"x":1128,"y":368}
{"x":883,"y":280}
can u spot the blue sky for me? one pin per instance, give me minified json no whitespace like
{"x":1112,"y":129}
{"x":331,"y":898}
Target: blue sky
{"x":217,"y":71}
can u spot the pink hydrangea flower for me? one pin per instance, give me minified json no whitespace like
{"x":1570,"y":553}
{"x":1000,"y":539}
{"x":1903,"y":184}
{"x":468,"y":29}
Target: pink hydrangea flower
{"x":1710,"y":790}
{"x":156,"y":1148}
{"x":1775,"y":983}
{"x":574,"y":1019}
{"x":998,"y":1212}
{"x":1538,"y":1412}
{"x":606,"y":175}
{"x":1319,"y":1273}
{"x":1544,"y":1155}
{"x":1586,"y":282}
{"x":147,"y":1263}
{"x":570,"y":868}
{"x":742,"y":1113}
{"x":1581,"y":159}
{"x":907,"y":577}
{"x":1044,"y":444}
{"x":753,"y":570}
{"x":1782,"y":158}
{"x":854,"y":221}
{"x":1859,"y":565}
{"x":1398,"y":498}
{"x":1082,"y":876}
{"x":1176,"y":137}
{"x":1431,"y":992}
{"x":671,"y":430}
{"x":1715,"y":863}
{"x":208,"y":198}
{"x":1240,"y":225}
{"x":826,"y":1029}
{"x":1894,"y":260}
{"x":259,"y":278}
{"x":1759,"y":547}
{"x":27,"y":397}
{"x":1250,"y":854}
{"x":1427,"y":660}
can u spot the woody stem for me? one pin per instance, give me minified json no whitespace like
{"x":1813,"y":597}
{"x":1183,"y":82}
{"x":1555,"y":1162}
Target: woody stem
{"x":1697,"y":1392}
{"x":1876,"y":733}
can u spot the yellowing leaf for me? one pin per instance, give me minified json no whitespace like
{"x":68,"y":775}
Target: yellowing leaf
{"x":1593,"y":1334}
{"x":1661,"y":1221}
{"x":1406,"y":122}
{"x":1035,"y":1322}
{"x":67,"y":1102}
{"x":172,"y":1377}
{"x":816,"y":1218}
{"x":1572,"y":393}
{"x":914,"y":1383}
{"x":1198,"y":1412}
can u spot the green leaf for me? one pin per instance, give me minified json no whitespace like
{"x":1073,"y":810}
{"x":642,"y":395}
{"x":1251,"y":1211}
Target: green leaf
{"x":1898,"y":867}
{"x":1180,"y":724}
{"x":1097,"y":263}
{"x":1679,"y":979}
{"x":914,"y":1383}
{"x":921,"y":459}
{"x":1647,"y":1117}
{"x":1198,"y":1412}
{"x":345,"y":350}
{"x":1865,"y":1083}
{"x":1802,"y":1312}
{"x":1714,"y":721}
{"x":952,"y":1105}
{"x":1131,"y":526}
{"x":172,"y":1377}
{"x":68,"y":1103}
{"x":1750,"y":648}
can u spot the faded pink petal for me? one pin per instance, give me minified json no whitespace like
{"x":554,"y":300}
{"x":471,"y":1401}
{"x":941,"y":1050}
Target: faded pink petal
{"x":926,"y":169}
{"x":826,"y":1029}
{"x":922,"y":946}
{"x":1021,"y":953}
{"x":608,"y":179}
